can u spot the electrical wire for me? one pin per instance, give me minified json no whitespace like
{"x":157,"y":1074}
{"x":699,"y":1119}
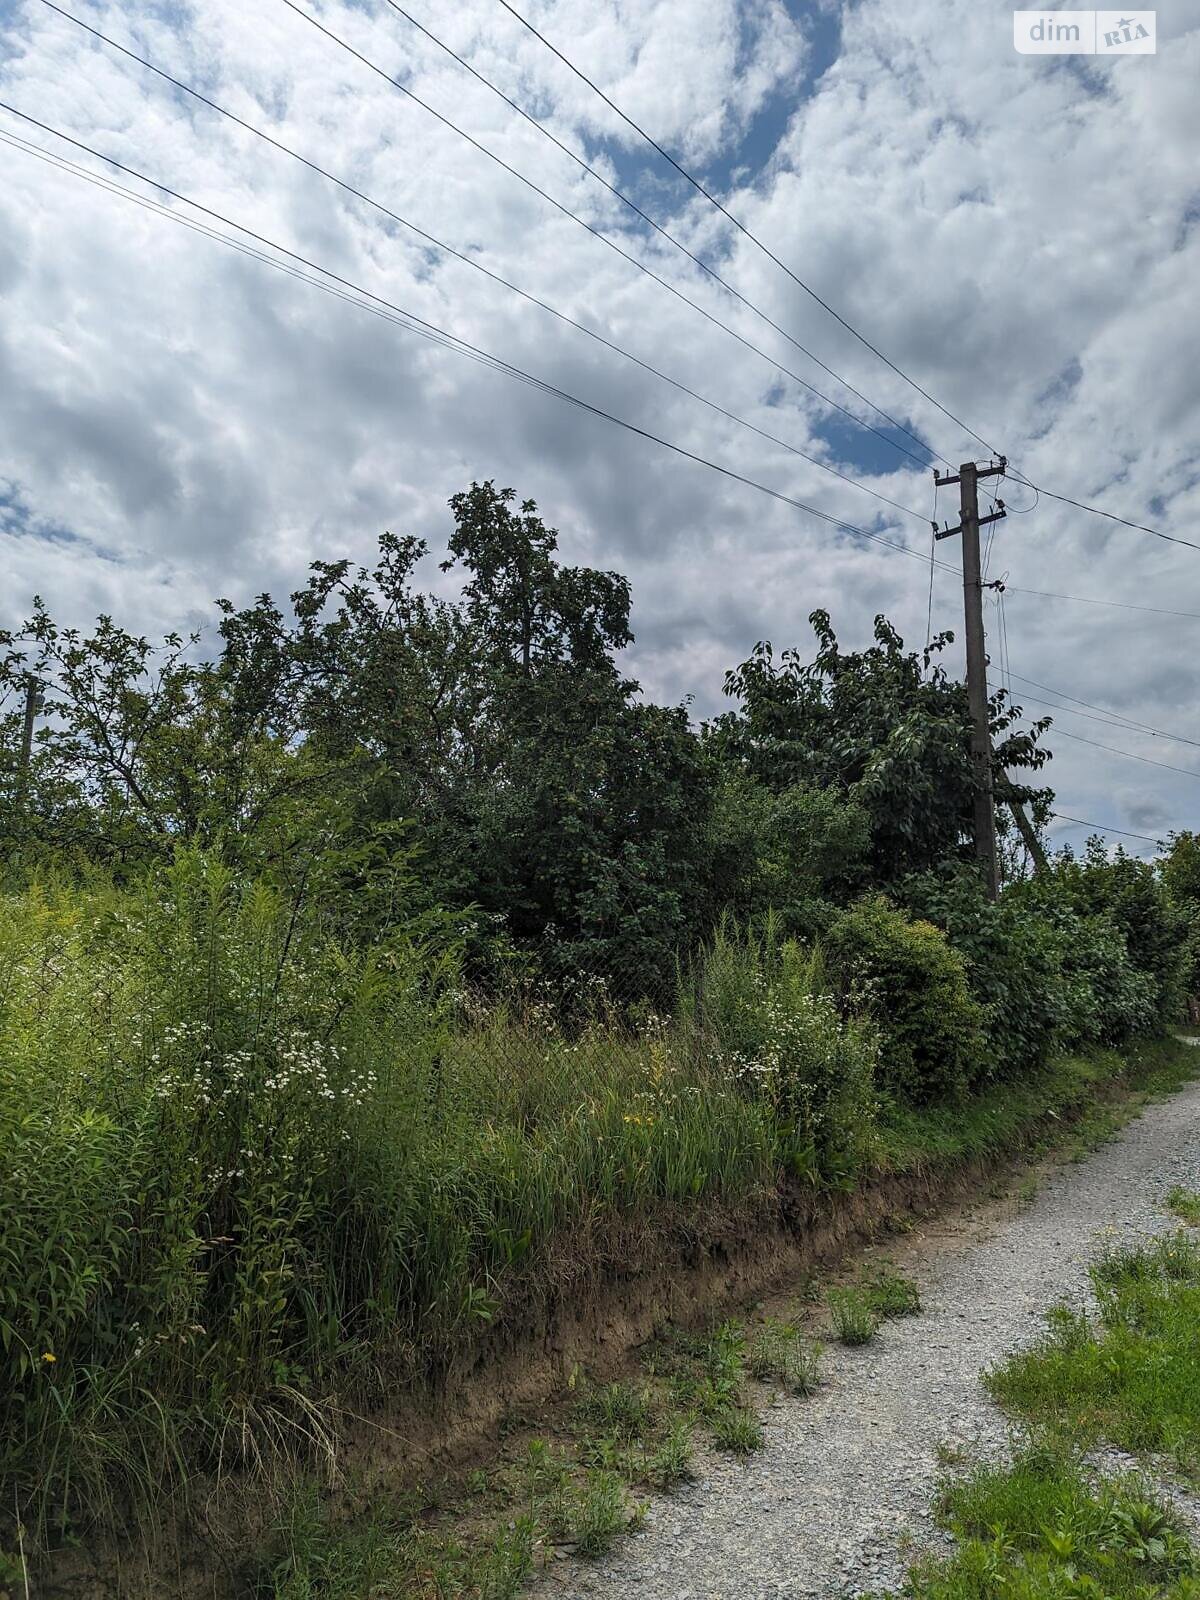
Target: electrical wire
{"x":413,"y":323}
{"x":1099,"y":511}
{"x":638,"y":211}
{"x":1129,"y":722}
{"x":602,"y":237}
{"x":1100,"y":828}
{"x":1088,"y":716}
{"x":745,"y":231}
{"x":810,"y":291}
{"x":1090,"y":600}
{"x":824,"y":304}
{"x":1188,"y":772}
{"x":170,"y":215}
{"x":458,"y":255}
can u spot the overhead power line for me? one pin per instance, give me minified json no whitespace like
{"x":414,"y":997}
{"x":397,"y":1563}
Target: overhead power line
{"x":1188,"y":772}
{"x":1091,"y":600}
{"x":420,"y":325}
{"x":1106,"y":722}
{"x":1142,"y":727}
{"x":665,"y":233}
{"x":601,"y":236}
{"x":1091,"y":716}
{"x":1099,"y":511}
{"x":744,"y":230}
{"x":809,"y":290}
{"x":101,"y":181}
{"x":477,"y":266}
{"x":1100,"y":828}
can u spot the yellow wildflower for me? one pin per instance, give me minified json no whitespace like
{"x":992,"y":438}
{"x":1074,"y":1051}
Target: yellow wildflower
{"x":48,"y":1355}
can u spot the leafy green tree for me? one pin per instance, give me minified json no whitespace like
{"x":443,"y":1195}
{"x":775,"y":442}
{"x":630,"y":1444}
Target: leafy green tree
{"x":1180,"y":868}
{"x":796,"y":853}
{"x":538,"y":785}
{"x":1131,"y":894}
{"x":884,"y":727}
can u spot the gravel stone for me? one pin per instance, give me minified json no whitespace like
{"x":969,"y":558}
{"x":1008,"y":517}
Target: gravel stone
{"x":846,"y":1477}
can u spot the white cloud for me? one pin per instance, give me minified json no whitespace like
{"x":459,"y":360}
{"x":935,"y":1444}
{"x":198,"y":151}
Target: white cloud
{"x":1018,"y":233}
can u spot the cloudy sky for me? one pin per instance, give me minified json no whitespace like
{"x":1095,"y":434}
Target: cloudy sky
{"x":1019,"y":234}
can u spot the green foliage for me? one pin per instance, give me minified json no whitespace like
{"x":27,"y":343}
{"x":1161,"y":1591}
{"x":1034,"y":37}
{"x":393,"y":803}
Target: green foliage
{"x":353,"y":978}
{"x":792,"y":854}
{"x":780,"y":1353}
{"x":892,"y":1295}
{"x":1180,"y":868}
{"x":1015,"y":959}
{"x":250,"y":1165}
{"x":736,"y":1429}
{"x":618,"y":1409}
{"x":597,"y":1513}
{"x":855,"y":1315}
{"x":1132,"y":896}
{"x":1040,"y":1529}
{"x":764,"y":1000}
{"x":1185,"y":1203}
{"x":1130,"y":1377}
{"x":876,"y":727}
{"x":915,"y":984}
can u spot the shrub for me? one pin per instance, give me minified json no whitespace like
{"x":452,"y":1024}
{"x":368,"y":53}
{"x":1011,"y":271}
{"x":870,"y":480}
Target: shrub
{"x":916,"y":985}
{"x":1107,"y":1000}
{"x":1135,"y":900}
{"x":1014,"y":960}
{"x":763,"y":1002}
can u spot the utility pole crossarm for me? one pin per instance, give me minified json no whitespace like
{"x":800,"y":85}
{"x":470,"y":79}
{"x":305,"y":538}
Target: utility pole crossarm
{"x":980,"y":522}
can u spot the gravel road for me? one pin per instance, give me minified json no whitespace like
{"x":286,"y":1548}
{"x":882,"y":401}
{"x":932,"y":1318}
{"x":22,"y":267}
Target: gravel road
{"x":821,"y":1509}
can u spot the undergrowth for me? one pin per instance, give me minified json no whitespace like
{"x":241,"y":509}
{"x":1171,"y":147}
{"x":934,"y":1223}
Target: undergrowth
{"x":257,"y":1179}
{"x":1130,"y":1374}
{"x":1042,"y":1529}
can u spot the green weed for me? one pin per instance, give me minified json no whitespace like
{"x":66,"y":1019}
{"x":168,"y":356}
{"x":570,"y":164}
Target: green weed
{"x":1129,"y":1376}
{"x":736,"y":1428}
{"x":855,"y":1317}
{"x":891,"y":1295}
{"x":1185,"y":1203}
{"x":779,"y":1353}
{"x":619,"y":1410}
{"x":671,"y":1460}
{"x":1041,"y":1530}
{"x":598,"y":1512}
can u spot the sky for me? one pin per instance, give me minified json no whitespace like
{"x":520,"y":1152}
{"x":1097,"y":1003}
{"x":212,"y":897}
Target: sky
{"x":1019,"y":235}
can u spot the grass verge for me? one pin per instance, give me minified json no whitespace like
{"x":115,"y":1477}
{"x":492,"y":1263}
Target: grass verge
{"x":1130,"y":1375}
{"x":1042,"y":1529}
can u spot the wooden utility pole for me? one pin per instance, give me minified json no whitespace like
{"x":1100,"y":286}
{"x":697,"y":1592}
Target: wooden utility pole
{"x":970,"y":522}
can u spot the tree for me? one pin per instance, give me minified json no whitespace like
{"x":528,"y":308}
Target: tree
{"x":881,"y":727}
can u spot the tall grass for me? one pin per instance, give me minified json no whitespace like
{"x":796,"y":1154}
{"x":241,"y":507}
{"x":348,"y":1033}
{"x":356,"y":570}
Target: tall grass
{"x":250,"y":1171}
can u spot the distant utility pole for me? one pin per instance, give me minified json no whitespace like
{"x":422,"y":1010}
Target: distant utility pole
{"x":35,"y":699}
{"x":970,"y":522}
